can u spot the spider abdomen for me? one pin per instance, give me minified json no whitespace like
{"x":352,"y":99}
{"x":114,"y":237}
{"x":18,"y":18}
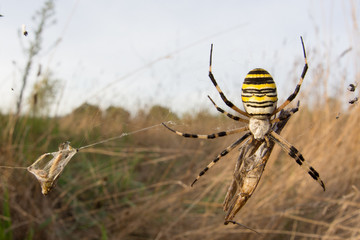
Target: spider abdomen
{"x":259,"y":93}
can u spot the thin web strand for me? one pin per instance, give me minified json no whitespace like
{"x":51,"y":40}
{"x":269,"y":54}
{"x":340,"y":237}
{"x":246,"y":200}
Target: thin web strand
{"x":13,"y":167}
{"x":97,"y":143}
{"x":47,"y":171}
{"x":122,"y":135}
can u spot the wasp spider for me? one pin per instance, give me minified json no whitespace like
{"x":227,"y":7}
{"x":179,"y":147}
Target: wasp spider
{"x":259,"y":98}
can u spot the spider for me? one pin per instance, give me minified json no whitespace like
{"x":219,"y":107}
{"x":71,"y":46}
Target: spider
{"x":259,"y":98}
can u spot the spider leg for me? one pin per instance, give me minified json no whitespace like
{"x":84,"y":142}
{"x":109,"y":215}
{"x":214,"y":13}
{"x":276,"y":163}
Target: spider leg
{"x":227,"y":102}
{"x":294,"y":153}
{"x":297,"y":89}
{"x":229,"y":115}
{"x":267,"y":140}
{"x":290,"y":113}
{"x":222,"y":154}
{"x":211,"y":136}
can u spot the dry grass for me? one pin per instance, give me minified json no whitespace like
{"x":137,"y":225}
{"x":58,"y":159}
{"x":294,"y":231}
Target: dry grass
{"x":138,"y":188}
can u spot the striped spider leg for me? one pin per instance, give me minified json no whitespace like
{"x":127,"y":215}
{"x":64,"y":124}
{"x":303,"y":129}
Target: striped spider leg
{"x":222,"y":95}
{"x":229,"y":115}
{"x":212,"y":136}
{"x":297,"y":89}
{"x":286,"y":146}
{"x":294,"y":153}
{"x":219,"y":134}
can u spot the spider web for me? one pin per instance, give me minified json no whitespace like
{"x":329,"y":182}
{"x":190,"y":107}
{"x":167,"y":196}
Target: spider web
{"x":48,"y":167}
{"x":47,"y":171}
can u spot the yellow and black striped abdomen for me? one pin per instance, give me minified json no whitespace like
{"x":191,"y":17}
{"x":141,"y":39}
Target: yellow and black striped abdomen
{"x":259,"y":93}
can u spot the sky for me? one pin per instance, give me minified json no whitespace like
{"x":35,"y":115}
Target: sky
{"x":135,"y":54}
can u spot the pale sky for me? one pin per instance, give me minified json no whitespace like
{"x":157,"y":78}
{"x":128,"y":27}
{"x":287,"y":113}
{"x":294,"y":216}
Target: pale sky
{"x":139,"y":53}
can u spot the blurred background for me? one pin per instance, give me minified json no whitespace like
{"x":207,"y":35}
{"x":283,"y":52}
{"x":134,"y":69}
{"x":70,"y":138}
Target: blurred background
{"x":88,"y":71}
